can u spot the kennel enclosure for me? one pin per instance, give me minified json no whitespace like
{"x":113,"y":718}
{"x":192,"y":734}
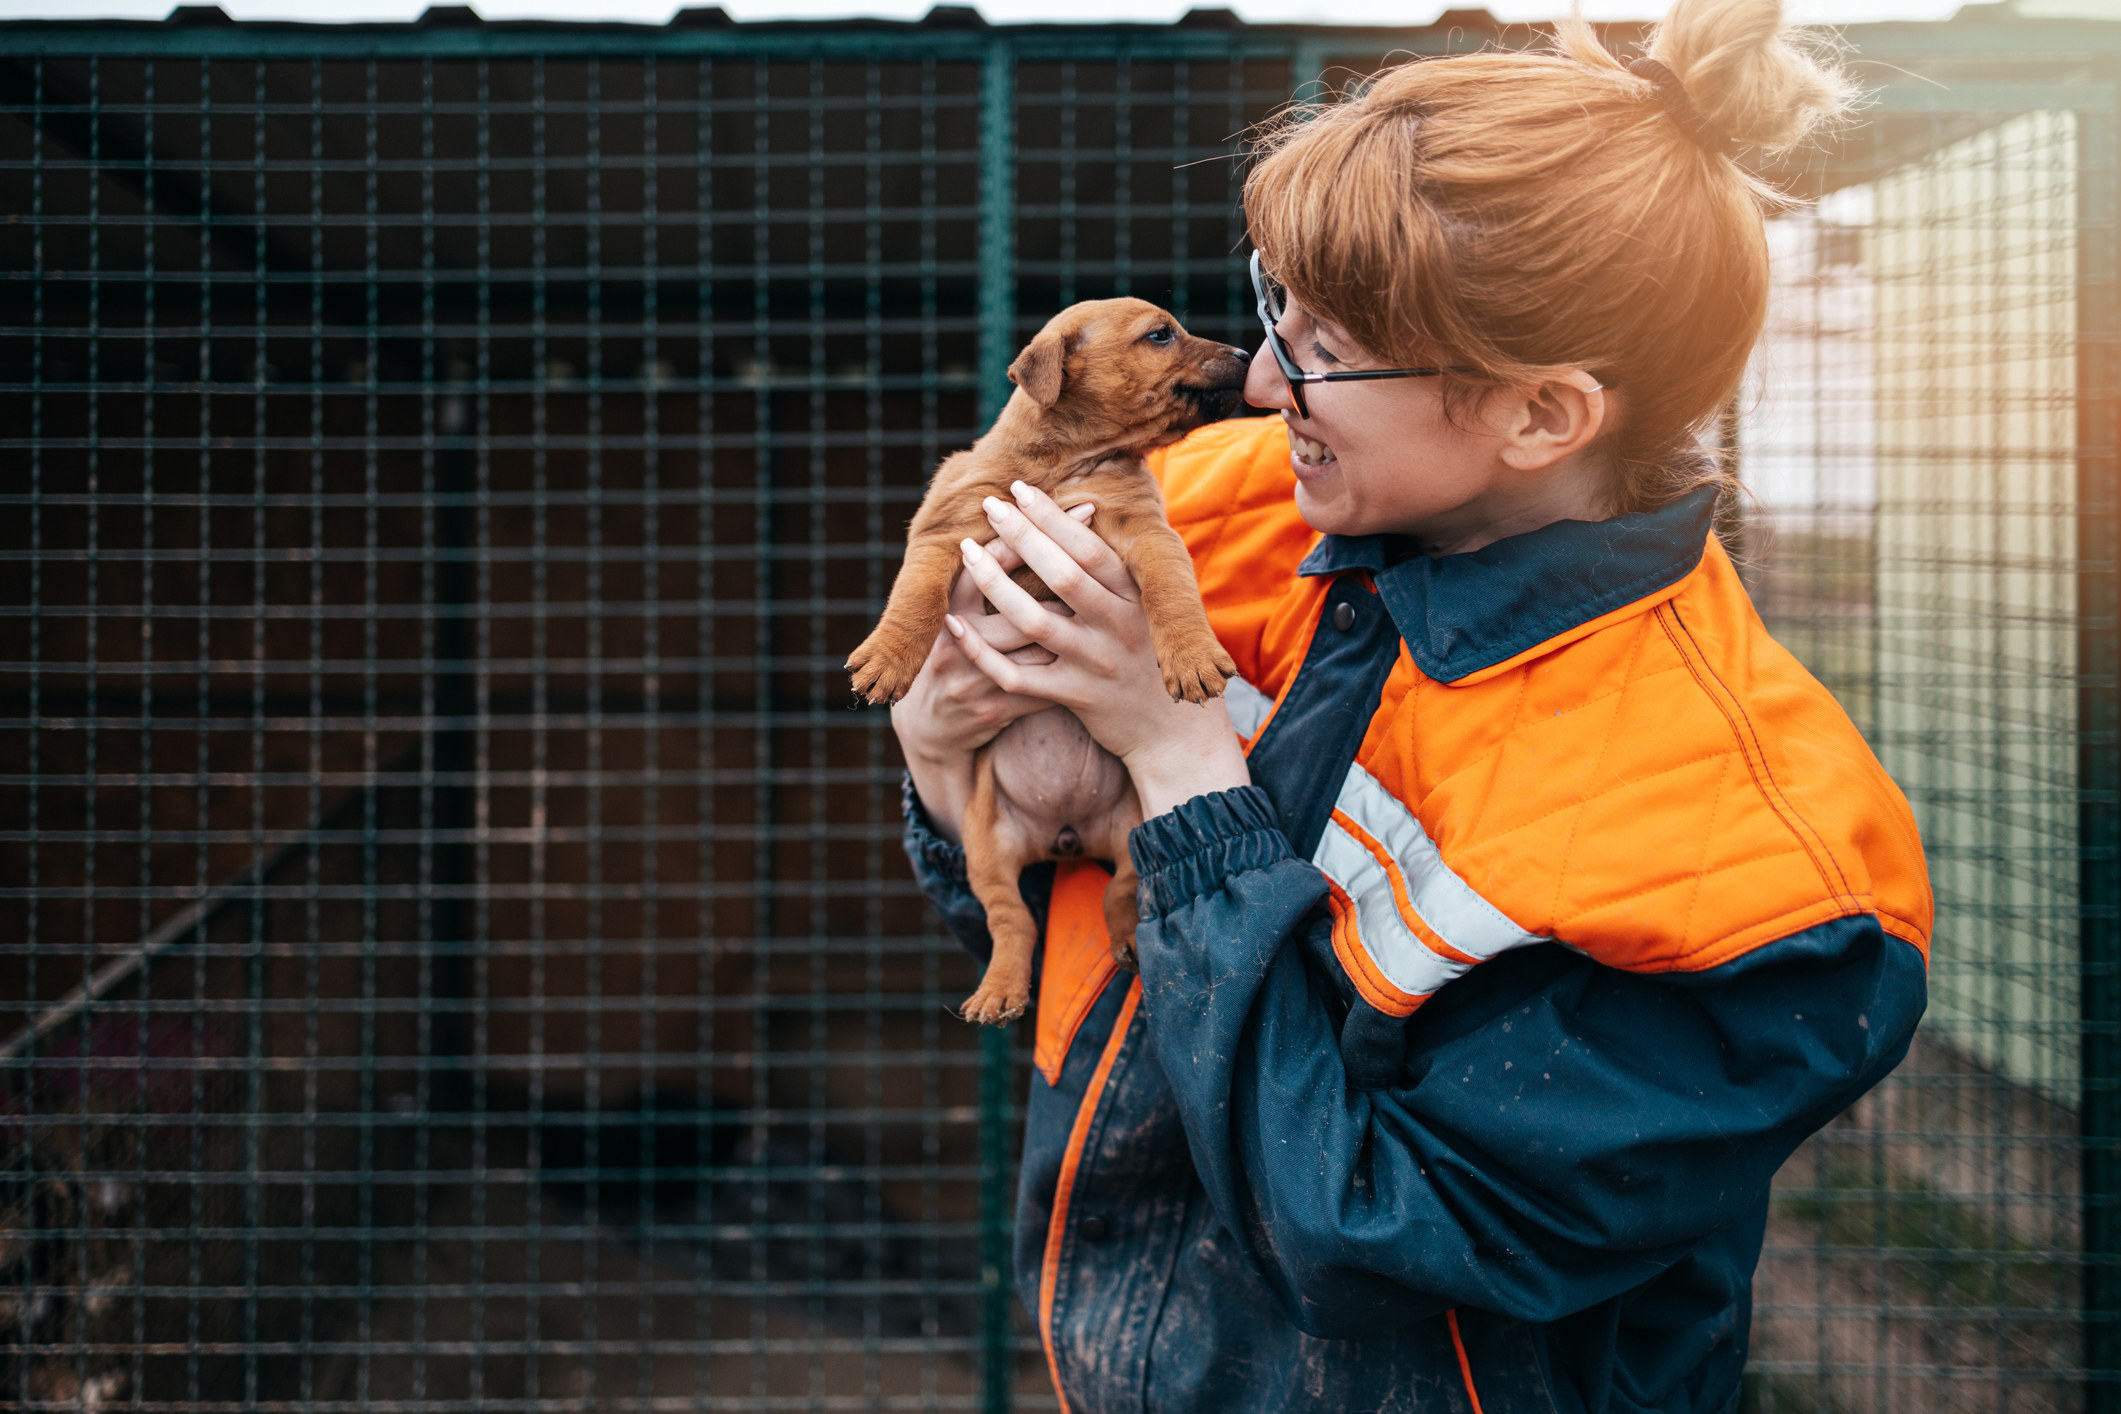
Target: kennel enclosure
{"x":456,"y":952}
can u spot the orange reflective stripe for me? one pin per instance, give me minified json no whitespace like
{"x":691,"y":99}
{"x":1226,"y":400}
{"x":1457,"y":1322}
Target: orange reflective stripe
{"x":1465,"y":1366}
{"x":1064,"y":1190}
{"x":1416,"y":924}
{"x":1077,"y":963}
{"x":1355,"y":960}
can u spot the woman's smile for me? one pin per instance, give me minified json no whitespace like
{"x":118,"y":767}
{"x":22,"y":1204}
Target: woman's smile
{"x":1309,"y":458}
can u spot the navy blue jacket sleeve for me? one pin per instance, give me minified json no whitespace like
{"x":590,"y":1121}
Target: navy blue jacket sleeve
{"x":1545,"y":1133}
{"x":939,"y":868}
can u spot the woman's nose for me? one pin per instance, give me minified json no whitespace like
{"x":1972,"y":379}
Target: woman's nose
{"x":1264,"y":385}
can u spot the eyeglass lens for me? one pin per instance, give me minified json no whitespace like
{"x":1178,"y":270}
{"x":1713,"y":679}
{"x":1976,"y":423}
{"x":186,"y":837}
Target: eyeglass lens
{"x":1274,"y":304}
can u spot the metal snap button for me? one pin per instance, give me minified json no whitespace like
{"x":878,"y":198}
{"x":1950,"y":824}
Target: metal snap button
{"x":1094,"y":1229}
{"x":1344,"y":616}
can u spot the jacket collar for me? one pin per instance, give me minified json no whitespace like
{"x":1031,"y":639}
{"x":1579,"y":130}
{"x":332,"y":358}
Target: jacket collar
{"x":1462,"y":613}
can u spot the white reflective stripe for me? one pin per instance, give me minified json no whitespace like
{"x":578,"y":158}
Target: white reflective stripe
{"x":1248,"y":706}
{"x":1446,"y":903}
{"x":1407,"y":962}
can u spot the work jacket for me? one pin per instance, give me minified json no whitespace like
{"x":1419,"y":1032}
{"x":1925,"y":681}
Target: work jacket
{"x":1563,"y":905}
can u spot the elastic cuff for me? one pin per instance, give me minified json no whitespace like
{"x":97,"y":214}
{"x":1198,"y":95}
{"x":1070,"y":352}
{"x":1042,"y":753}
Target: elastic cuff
{"x":1197,"y":847}
{"x":932,"y":854}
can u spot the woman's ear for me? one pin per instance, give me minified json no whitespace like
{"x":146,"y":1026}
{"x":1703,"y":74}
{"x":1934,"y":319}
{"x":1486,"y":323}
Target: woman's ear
{"x":1041,"y":368}
{"x":1540,"y":426}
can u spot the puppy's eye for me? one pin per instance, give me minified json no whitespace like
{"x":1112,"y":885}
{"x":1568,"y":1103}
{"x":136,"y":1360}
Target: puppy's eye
{"x":1161,"y":334}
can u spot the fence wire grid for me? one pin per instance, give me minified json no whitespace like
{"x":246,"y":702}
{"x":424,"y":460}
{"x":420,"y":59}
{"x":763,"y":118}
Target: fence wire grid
{"x":456,"y":953}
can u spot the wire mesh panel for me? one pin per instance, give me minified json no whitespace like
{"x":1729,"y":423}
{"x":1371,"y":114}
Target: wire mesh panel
{"x":463,"y":957}
{"x":447,"y":489}
{"x":457,"y":952}
{"x":1128,"y":177}
{"x":1912,"y":435}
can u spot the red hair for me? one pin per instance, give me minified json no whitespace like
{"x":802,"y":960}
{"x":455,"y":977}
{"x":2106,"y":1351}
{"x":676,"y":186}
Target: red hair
{"x":1523,"y":213}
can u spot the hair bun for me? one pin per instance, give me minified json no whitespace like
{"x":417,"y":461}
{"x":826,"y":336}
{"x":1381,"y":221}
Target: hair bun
{"x":1680,"y":104}
{"x":1754,"y":80}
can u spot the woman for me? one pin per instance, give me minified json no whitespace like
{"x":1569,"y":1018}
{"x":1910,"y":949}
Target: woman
{"x":1538,"y":904}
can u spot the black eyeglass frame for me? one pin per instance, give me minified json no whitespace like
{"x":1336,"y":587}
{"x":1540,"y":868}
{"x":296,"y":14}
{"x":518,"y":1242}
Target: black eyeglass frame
{"x":1298,"y":375}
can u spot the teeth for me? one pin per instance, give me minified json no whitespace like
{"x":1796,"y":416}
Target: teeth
{"x":1317,"y":453}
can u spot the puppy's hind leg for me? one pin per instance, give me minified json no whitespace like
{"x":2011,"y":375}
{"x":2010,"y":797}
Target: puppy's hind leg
{"x":1123,"y":910}
{"x":995,"y":854}
{"x":1123,"y":891}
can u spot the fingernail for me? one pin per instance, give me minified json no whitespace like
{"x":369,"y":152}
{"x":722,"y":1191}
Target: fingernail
{"x":950,"y":621}
{"x":1020,"y":490}
{"x":1083,"y":511}
{"x":996,"y":508}
{"x":969,"y":548}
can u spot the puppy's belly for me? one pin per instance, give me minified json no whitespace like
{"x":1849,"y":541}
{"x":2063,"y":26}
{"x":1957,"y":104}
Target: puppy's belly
{"x":1057,"y":777}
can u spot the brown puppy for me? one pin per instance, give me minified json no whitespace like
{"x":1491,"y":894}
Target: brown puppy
{"x":1104,"y":381}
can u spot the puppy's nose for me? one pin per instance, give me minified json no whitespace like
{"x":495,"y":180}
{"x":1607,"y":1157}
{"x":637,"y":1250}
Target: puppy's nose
{"x":1241,"y":355}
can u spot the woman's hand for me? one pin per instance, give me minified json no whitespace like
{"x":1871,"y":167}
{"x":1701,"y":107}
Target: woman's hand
{"x":953,"y":709}
{"x":1103,"y":665}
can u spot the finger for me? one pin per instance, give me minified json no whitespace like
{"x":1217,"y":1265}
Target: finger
{"x":969,"y":603}
{"x":1006,"y":554}
{"x":997,"y":632}
{"x":950,"y":677}
{"x":1000,"y":635}
{"x":1066,"y":577}
{"x":1084,"y":545}
{"x":1032,"y":656}
{"x":1003,"y":672}
{"x":966,"y":600}
{"x":1048,"y":682}
{"x":1011,"y":562}
{"x":965,"y":596}
{"x":981,"y":700}
{"x":1033,"y":620}
{"x":1027,"y":655}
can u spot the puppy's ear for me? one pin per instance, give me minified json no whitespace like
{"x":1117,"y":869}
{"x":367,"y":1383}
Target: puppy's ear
{"x":1039,"y":370}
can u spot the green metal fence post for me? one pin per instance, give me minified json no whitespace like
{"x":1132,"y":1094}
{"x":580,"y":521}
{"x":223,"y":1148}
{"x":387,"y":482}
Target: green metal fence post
{"x":2099,"y":745}
{"x":997,"y":316}
{"x":1307,"y":71}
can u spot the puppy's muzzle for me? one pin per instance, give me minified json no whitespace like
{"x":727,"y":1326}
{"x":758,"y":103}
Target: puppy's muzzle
{"x":1221,"y":389}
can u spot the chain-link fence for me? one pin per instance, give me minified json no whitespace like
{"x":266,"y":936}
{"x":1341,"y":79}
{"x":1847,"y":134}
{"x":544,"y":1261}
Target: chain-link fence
{"x":456,"y":952}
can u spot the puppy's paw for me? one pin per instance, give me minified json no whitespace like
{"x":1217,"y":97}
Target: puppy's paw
{"x":885,"y":664}
{"x":998,"y":1001}
{"x":1196,"y":670}
{"x":1123,"y":949}
{"x":1121,"y":919}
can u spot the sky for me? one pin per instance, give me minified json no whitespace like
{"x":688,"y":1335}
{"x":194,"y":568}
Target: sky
{"x":1364,"y":12}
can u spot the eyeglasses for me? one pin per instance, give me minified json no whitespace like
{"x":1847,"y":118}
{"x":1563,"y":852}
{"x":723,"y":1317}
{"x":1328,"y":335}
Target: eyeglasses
{"x":1273,"y":303}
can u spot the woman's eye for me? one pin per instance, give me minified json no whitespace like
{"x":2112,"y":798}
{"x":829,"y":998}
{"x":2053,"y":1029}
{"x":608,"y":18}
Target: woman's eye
{"x":1162,"y":335}
{"x":1320,"y":350}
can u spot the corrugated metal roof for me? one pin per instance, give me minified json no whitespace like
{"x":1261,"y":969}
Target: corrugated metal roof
{"x":1365,"y":13}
